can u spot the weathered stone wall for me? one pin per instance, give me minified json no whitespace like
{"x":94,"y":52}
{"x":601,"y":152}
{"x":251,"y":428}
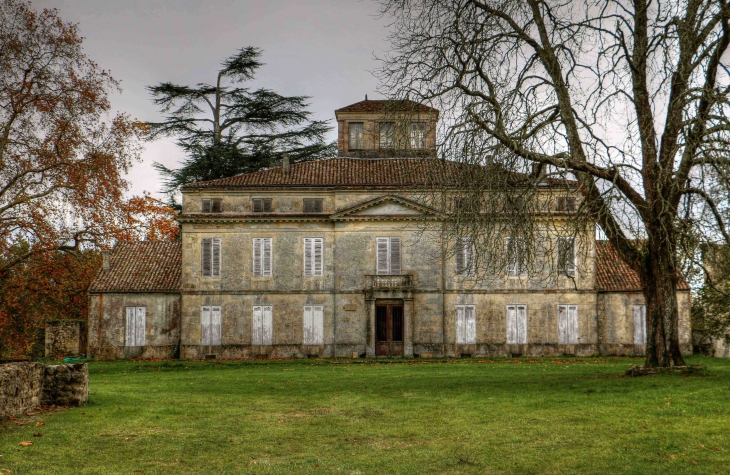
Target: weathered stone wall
{"x":108,"y":319}
{"x":65,"y":337}
{"x":25,"y":386}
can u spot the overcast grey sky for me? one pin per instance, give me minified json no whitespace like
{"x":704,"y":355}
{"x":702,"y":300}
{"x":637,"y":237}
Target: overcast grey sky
{"x":319,"y":48}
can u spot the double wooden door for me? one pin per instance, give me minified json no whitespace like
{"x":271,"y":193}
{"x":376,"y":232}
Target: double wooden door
{"x":389,"y":329}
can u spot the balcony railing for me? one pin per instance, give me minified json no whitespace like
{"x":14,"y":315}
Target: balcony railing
{"x":388,"y":281}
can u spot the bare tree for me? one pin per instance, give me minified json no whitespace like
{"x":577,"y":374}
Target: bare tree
{"x":629,"y":99}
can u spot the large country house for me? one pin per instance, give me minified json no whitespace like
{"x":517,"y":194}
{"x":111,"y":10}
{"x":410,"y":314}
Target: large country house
{"x":328,"y":258}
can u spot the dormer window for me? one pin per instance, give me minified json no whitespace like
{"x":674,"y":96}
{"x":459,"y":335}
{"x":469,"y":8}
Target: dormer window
{"x":313,"y":205}
{"x":262,"y":205}
{"x":418,"y":135}
{"x":212,"y":205}
{"x":387,"y":135}
{"x":357,"y":135}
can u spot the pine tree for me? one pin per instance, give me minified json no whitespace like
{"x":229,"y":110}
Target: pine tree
{"x":226,"y":129}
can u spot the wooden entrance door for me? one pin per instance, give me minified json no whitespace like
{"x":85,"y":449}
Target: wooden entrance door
{"x":389,"y":329}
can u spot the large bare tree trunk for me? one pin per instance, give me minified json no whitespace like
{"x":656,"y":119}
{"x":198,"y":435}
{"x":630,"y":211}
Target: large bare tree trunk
{"x":660,"y":280}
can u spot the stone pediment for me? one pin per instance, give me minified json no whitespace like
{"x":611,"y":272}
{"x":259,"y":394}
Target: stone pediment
{"x":393,"y":207}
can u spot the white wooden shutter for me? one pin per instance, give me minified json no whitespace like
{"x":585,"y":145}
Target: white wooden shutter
{"x":215,"y":326}
{"x":207,"y":208}
{"x":266,"y":267}
{"x":216,"y":257}
{"x":257,"y":247}
{"x":512,"y":263}
{"x":460,"y":324}
{"x":395,"y":256}
{"x":257,"y":325}
{"x":460,"y":257}
{"x":140,"y":326}
{"x":307,"y":256}
{"x":206,"y":253}
{"x":205,"y":326}
{"x":313,"y":325}
{"x":640,"y":324}
{"x":567,"y":324}
{"x":470,"y":335}
{"x":317,"y":256}
{"x":522,"y":324}
{"x":267,"y":324}
{"x":382,"y":265}
{"x":511,"y":324}
{"x":130,"y":326}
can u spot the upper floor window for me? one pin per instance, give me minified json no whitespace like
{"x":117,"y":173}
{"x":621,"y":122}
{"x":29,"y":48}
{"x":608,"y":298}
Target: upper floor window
{"x":212,"y":205}
{"x":313,"y":256}
{"x":313,"y":205}
{"x":262,"y":205}
{"x":566,"y":203}
{"x":262,"y":257}
{"x":389,"y":256}
{"x":516,"y":256}
{"x":514,"y":204}
{"x":357,"y":135}
{"x":387,"y":135}
{"x":464,"y":253}
{"x":211,"y":257}
{"x":566,"y":256}
{"x":418,"y":135}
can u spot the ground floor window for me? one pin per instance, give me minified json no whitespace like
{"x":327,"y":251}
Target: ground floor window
{"x":567,"y":324}
{"x":466,"y":324}
{"x":517,"y":324}
{"x":313,"y":325}
{"x":210,"y":322}
{"x":136,"y":324}
{"x":639,"y":324}
{"x":262,"y":325}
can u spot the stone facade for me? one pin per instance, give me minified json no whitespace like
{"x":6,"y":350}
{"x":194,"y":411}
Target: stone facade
{"x":65,"y":338}
{"x":25,"y":386}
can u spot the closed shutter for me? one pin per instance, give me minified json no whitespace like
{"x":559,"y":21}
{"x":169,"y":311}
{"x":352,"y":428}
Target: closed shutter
{"x":130,"y":326}
{"x":216,"y":257}
{"x":517,"y":324}
{"x":205,"y":326}
{"x":215,"y":325}
{"x":313,"y":325}
{"x":216,"y":205}
{"x":256,"y":326}
{"x":207,"y":206}
{"x":567,"y":324}
{"x":395,"y":256}
{"x":566,"y":256}
{"x":460,"y":323}
{"x":382,"y":267}
{"x":470,"y":336}
{"x":206,"y":256}
{"x":512,"y":258}
{"x":511,"y":324}
{"x":522,"y":324}
{"x":267,"y":326}
{"x":640,"y":324}
{"x":307,"y":256}
{"x":266,"y":265}
{"x":460,"y":257}
{"x":318,"y":244}
{"x":140,"y":326}
{"x":257,"y":248}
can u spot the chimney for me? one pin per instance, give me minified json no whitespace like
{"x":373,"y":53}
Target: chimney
{"x":285,"y":163}
{"x":107,"y":257}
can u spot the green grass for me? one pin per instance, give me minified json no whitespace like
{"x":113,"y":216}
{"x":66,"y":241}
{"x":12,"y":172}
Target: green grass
{"x":362,"y":417}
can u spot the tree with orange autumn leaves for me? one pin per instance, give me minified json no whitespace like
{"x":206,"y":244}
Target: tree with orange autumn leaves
{"x":62,"y":168}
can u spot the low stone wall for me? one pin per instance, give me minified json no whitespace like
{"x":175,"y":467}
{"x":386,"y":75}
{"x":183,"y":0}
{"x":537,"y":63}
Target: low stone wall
{"x":25,"y":386}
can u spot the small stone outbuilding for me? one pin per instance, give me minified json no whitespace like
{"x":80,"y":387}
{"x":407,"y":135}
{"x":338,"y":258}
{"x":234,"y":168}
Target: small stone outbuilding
{"x":134,"y":302}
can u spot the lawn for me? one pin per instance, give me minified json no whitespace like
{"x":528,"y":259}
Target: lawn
{"x":544,"y":416}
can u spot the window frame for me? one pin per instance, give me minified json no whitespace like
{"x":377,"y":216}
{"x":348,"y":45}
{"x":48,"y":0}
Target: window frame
{"x":309,"y":246}
{"x":259,"y":337}
{"x":518,"y":268}
{"x":263,"y":271}
{"x":316,"y":203}
{"x":313,"y":325}
{"x":214,"y":325}
{"x":416,"y":129}
{"x":216,"y":250}
{"x":566,"y":204}
{"x":212,"y":205}
{"x":264,"y":205}
{"x":389,"y":253}
{"x":571,"y":270}
{"x":564,"y":330}
{"x":465,"y":249}
{"x":359,"y":141}
{"x":386,"y":139}
{"x":521,"y":337}
{"x":468,"y":333}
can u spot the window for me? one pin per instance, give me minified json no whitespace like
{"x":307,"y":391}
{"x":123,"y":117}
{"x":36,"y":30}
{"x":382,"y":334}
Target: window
{"x":136,"y":321}
{"x":466,"y":324}
{"x":212,"y":205}
{"x":357,"y":135}
{"x":418,"y":135}
{"x":517,"y":324}
{"x":567,"y":324}
{"x":313,"y":256}
{"x":210,"y":326}
{"x":387,"y":135}
{"x":566,"y":203}
{"x":313,"y":325}
{"x":640,"y":324}
{"x":262,"y":205}
{"x":516,"y":264}
{"x":313,"y":205}
{"x":262,"y":325}
{"x":211,"y":257}
{"x":514,"y":204}
{"x":262,"y":257}
{"x":464,"y":253}
{"x":566,"y":256}
{"x":389,"y":255}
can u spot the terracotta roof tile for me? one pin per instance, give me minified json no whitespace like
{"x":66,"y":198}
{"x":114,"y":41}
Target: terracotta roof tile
{"x":381,"y":105}
{"x":613,"y":274}
{"x":353,"y":173}
{"x":141,"y":266}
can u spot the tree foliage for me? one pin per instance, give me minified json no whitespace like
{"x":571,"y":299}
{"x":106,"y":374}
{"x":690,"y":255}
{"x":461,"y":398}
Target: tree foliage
{"x":226,"y":129}
{"x":630,"y":99}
